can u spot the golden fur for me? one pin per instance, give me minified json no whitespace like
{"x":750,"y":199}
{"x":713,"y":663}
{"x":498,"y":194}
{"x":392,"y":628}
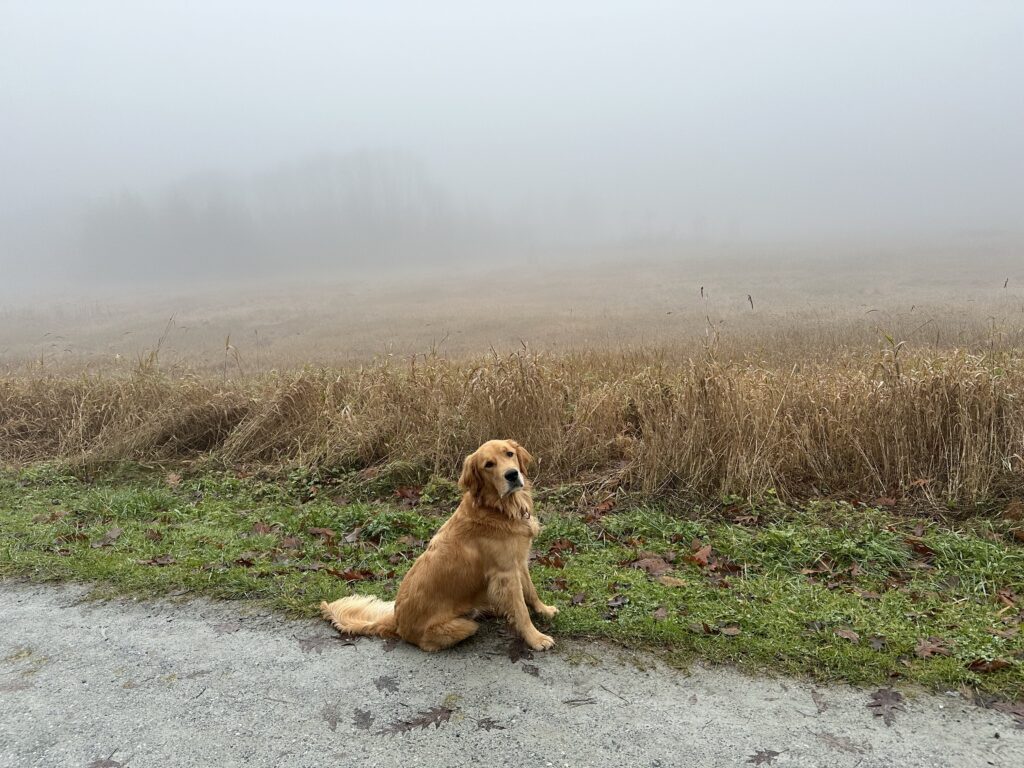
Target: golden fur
{"x":476,"y":563}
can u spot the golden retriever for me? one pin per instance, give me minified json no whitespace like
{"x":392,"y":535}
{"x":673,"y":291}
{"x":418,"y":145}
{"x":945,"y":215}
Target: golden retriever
{"x":477,"y":563}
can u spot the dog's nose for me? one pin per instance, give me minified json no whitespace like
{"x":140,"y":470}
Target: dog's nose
{"x":512,"y":475}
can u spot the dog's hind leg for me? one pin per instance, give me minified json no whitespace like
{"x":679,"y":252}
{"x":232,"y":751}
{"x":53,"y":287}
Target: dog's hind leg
{"x":445,"y":634}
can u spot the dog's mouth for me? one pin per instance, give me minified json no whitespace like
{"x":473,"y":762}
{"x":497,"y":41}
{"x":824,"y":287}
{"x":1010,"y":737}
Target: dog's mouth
{"x":512,"y":487}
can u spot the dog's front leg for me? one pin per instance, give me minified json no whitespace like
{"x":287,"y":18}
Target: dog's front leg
{"x":505,"y":593}
{"x":530,"y":594}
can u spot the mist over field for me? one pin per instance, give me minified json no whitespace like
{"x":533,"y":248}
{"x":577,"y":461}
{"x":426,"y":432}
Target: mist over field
{"x":167,"y":147}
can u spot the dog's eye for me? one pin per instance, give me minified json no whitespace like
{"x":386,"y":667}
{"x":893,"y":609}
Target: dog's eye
{"x":489,"y":464}
{"x":509,"y":453}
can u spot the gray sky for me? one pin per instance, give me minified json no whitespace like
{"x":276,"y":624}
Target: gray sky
{"x":594,"y":119}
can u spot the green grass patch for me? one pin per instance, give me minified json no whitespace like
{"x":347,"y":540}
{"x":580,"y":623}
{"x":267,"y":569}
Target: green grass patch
{"x":828,"y":590}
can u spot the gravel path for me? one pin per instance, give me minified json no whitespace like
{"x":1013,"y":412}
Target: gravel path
{"x":225,"y":684}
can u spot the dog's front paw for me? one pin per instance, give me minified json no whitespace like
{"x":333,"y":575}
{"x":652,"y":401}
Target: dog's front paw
{"x":547,"y":611}
{"x":540,"y":642}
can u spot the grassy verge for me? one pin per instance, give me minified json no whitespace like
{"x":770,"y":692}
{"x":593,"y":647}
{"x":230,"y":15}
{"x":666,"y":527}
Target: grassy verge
{"x":830,"y":590}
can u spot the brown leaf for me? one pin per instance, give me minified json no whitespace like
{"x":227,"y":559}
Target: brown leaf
{"x":866,"y":594}
{"x":763,"y":757}
{"x":173,"y":479}
{"x":291,"y":542}
{"x":604,"y":507}
{"x":562,"y":545}
{"x":932,"y":646}
{"x":261,"y":529}
{"x":848,"y":634}
{"x":654,"y":566}
{"x":578,"y":599}
{"x":559,"y":584}
{"x":488,"y":724}
{"x":1006,"y":634}
{"x":530,"y":669}
{"x":919,"y":546}
{"x":408,"y":495}
{"x":819,"y":700}
{"x":159,"y":560}
{"x":730,"y":630}
{"x":518,"y":649}
{"x":324,"y":533}
{"x":551,"y":561}
{"x":617,"y":601}
{"x":988,"y":665}
{"x":431,"y":717}
{"x":153,"y":534}
{"x":108,"y":538}
{"x":351,"y":574}
{"x":106,"y":762}
{"x":331,"y":716}
{"x":671,"y":581}
{"x":877,"y":643}
{"x":247,"y":559}
{"x":386,"y":683}
{"x":362,"y":719}
{"x":661,"y":614}
{"x":700,"y":556}
{"x":886,"y":703}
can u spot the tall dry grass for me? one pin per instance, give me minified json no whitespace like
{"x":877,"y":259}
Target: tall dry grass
{"x":944,"y":424}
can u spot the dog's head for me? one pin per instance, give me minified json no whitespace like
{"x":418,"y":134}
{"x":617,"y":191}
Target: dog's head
{"x":495,"y":473}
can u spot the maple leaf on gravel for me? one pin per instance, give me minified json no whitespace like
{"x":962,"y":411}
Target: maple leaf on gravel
{"x":763,"y":756}
{"x":362,"y":719}
{"x":886,"y":703}
{"x":430,"y":717}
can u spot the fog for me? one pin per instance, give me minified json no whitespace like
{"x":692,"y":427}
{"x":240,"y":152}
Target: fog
{"x":154,"y":143}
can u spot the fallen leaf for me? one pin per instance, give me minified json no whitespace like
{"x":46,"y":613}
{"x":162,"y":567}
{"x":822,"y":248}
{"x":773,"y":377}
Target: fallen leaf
{"x":763,"y":757}
{"x":531,"y":669}
{"x":932,"y":646}
{"x":877,"y":643}
{"x":578,"y":599}
{"x":331,"y":716}
{"x":730,"y":630}
{"x":661,"y":614}
{"x":159,"y":560}
{"x":654,"y":566}
{"x":108,"y":538}
{"x":488,"y":724}
{"x":353,"y":536}
{"x":153,"y":534}
{"x":291,"y":542}
{"x":866,"y":594}
{"x":559,"y":584}
{"x":352,"y":574}
{"x":562,"y":545}
{"x":671,"y":581}
{"x":819,"y":700}
{"x":700,"y":556}
{"x":324,"y":533}
{"x":617,"y":601}
{"x":386,"y":683}
{"x":848,"y":634}
{"x":551,"y":561}
{"x":362,"y":719}
{"x":105,"y":762}
{"x":431,"y":717}
{"x":886,"y":703}
{"x":261,"y":529}
{"x":173,"y":479}
{"x":988,"y":665}
{"x":247,"y":559}
{"x":518,"y":649}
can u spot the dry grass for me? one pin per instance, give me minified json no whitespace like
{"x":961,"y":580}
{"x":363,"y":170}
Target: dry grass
{"x":946,"y":425}
{"x":852,"y":377}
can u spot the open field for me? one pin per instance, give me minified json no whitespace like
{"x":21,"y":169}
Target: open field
{"x":869,"y":379}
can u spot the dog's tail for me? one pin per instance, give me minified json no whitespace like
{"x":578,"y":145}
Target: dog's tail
{"x":362,"y":615}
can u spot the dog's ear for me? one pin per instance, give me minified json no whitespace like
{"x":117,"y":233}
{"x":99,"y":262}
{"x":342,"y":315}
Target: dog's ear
{"x":523,"y":455}
{"x":470,"y":479}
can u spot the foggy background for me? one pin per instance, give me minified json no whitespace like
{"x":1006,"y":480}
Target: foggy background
{"x":179,"y":144}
